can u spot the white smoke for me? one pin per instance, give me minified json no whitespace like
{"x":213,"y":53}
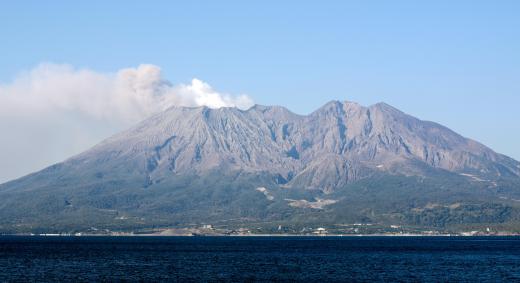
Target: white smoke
{"x":55,"y":110}
{"x":127,"y":96}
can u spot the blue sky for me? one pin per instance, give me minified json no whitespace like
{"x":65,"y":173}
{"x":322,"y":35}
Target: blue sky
{"x":453,"y":62}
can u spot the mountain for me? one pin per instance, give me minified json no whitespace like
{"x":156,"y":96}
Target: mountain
{"x":266,"y":167}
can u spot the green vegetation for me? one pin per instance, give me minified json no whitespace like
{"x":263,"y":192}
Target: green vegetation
{"x":384,"y":203}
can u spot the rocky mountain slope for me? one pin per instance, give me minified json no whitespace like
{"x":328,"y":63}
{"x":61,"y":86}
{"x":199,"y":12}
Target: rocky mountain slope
{"x":190,"y":165}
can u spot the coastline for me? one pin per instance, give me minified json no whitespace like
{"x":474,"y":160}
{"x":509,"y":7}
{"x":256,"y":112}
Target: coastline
{"x":258,"y":235}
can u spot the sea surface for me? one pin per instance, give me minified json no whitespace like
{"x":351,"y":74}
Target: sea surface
{"x":327,"y":259}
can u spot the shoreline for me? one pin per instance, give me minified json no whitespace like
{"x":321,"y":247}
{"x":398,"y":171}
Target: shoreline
{"x":257,"y":235}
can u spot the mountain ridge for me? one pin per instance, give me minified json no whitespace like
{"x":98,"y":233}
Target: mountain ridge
{"x":314,"y":161}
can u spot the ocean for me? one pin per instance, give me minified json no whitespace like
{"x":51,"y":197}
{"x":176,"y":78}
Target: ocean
{"x":264,"y":259}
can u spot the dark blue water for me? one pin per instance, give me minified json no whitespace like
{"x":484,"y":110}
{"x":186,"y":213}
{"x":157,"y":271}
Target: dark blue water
{"x":259,"y":259}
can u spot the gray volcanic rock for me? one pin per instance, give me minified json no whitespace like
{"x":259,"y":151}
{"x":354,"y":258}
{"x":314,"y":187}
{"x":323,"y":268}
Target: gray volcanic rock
{"x":323,"y":152}
{"x":337,"y":144}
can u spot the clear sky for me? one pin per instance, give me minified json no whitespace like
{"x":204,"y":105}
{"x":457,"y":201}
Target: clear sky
{"x":453,"y":62}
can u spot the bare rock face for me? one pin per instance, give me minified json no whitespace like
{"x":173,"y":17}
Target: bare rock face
{"x":333,"y":146}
